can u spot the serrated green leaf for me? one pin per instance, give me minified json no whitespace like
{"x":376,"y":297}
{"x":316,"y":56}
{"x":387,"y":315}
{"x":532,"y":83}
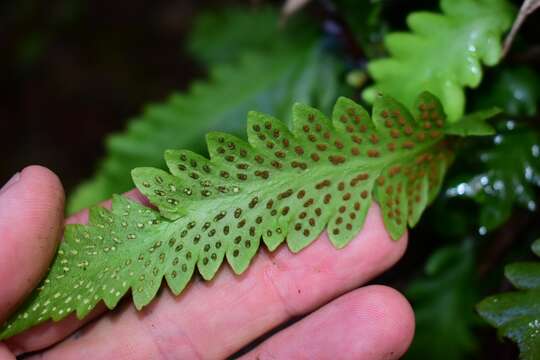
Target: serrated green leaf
{"x":474,"y":124}
{"x":516,"y":315}
{"x":279,"y":185}
{"x":443,"y":53}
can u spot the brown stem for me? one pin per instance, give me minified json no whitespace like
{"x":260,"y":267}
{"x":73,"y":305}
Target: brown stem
{"x":528,"y":56}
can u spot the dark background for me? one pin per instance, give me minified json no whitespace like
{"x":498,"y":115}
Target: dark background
{"x":72,"y":71}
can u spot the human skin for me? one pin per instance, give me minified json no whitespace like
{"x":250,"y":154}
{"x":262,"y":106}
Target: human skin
{"x":321,"y":286}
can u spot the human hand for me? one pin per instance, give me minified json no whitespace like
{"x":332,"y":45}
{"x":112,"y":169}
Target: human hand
{"x":211,"y":320}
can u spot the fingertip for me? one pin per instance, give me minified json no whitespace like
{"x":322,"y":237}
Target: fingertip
{"x":391,"y":314}
{"x":39,"y":181}
{"x":5,"y":353}
{"x":371,"y":323}
{"x":41,"y":196}
{"x":31,"y":215}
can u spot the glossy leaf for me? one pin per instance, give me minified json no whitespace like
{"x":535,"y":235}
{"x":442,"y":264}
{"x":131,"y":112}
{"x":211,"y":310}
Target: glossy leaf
{"x":443,"y":53}
{"x":516,"y":90}
{"x":516,"y":315}
{"x":506,"y":173}
{"x":281,"y":185}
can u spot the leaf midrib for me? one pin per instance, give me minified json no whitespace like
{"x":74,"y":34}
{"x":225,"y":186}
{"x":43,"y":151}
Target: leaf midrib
{"x":373,"y":166}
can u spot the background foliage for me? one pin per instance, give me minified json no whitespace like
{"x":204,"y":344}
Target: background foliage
{"x":78,"y":67}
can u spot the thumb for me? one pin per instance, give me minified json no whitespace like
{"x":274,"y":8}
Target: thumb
{"x":31,"y":218}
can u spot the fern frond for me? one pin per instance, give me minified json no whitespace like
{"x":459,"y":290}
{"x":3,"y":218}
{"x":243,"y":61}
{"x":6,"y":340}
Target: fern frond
{"x":281,"y":185}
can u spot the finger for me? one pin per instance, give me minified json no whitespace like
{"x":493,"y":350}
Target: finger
{"x":31,"y":218}
{"x":5,"y":353}
{"x":371,"y":323}
{"x":50,"y":332}
{"x":215,"y":319}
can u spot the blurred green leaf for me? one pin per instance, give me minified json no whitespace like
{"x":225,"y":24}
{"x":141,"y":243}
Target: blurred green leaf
{"x":515,"y":90}
{"x":524,"y":275}
{"x":369,"y":32}
{"x":516,"y":315}
{"x":443,"y":53}
{"x":506,"y":173}
{"x":268,"y":84}
{"x":474,"y":124}
{"x":268,"y":69}
{"x":224,"y":34}
{"x":443,"y":302}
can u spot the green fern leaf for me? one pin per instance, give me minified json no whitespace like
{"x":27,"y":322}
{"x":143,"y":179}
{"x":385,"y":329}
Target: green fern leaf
{"x":516,"y":314}
{"x":280,"y":185}
{"x":443,"y":53}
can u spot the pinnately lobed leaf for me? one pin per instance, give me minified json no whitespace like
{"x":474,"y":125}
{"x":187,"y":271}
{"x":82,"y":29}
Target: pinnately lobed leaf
{"x":281,"y":185}
{"x":443,"y":52}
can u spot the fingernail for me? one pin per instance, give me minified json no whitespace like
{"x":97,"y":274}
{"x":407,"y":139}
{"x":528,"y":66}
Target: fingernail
{"x":14,"y":179}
